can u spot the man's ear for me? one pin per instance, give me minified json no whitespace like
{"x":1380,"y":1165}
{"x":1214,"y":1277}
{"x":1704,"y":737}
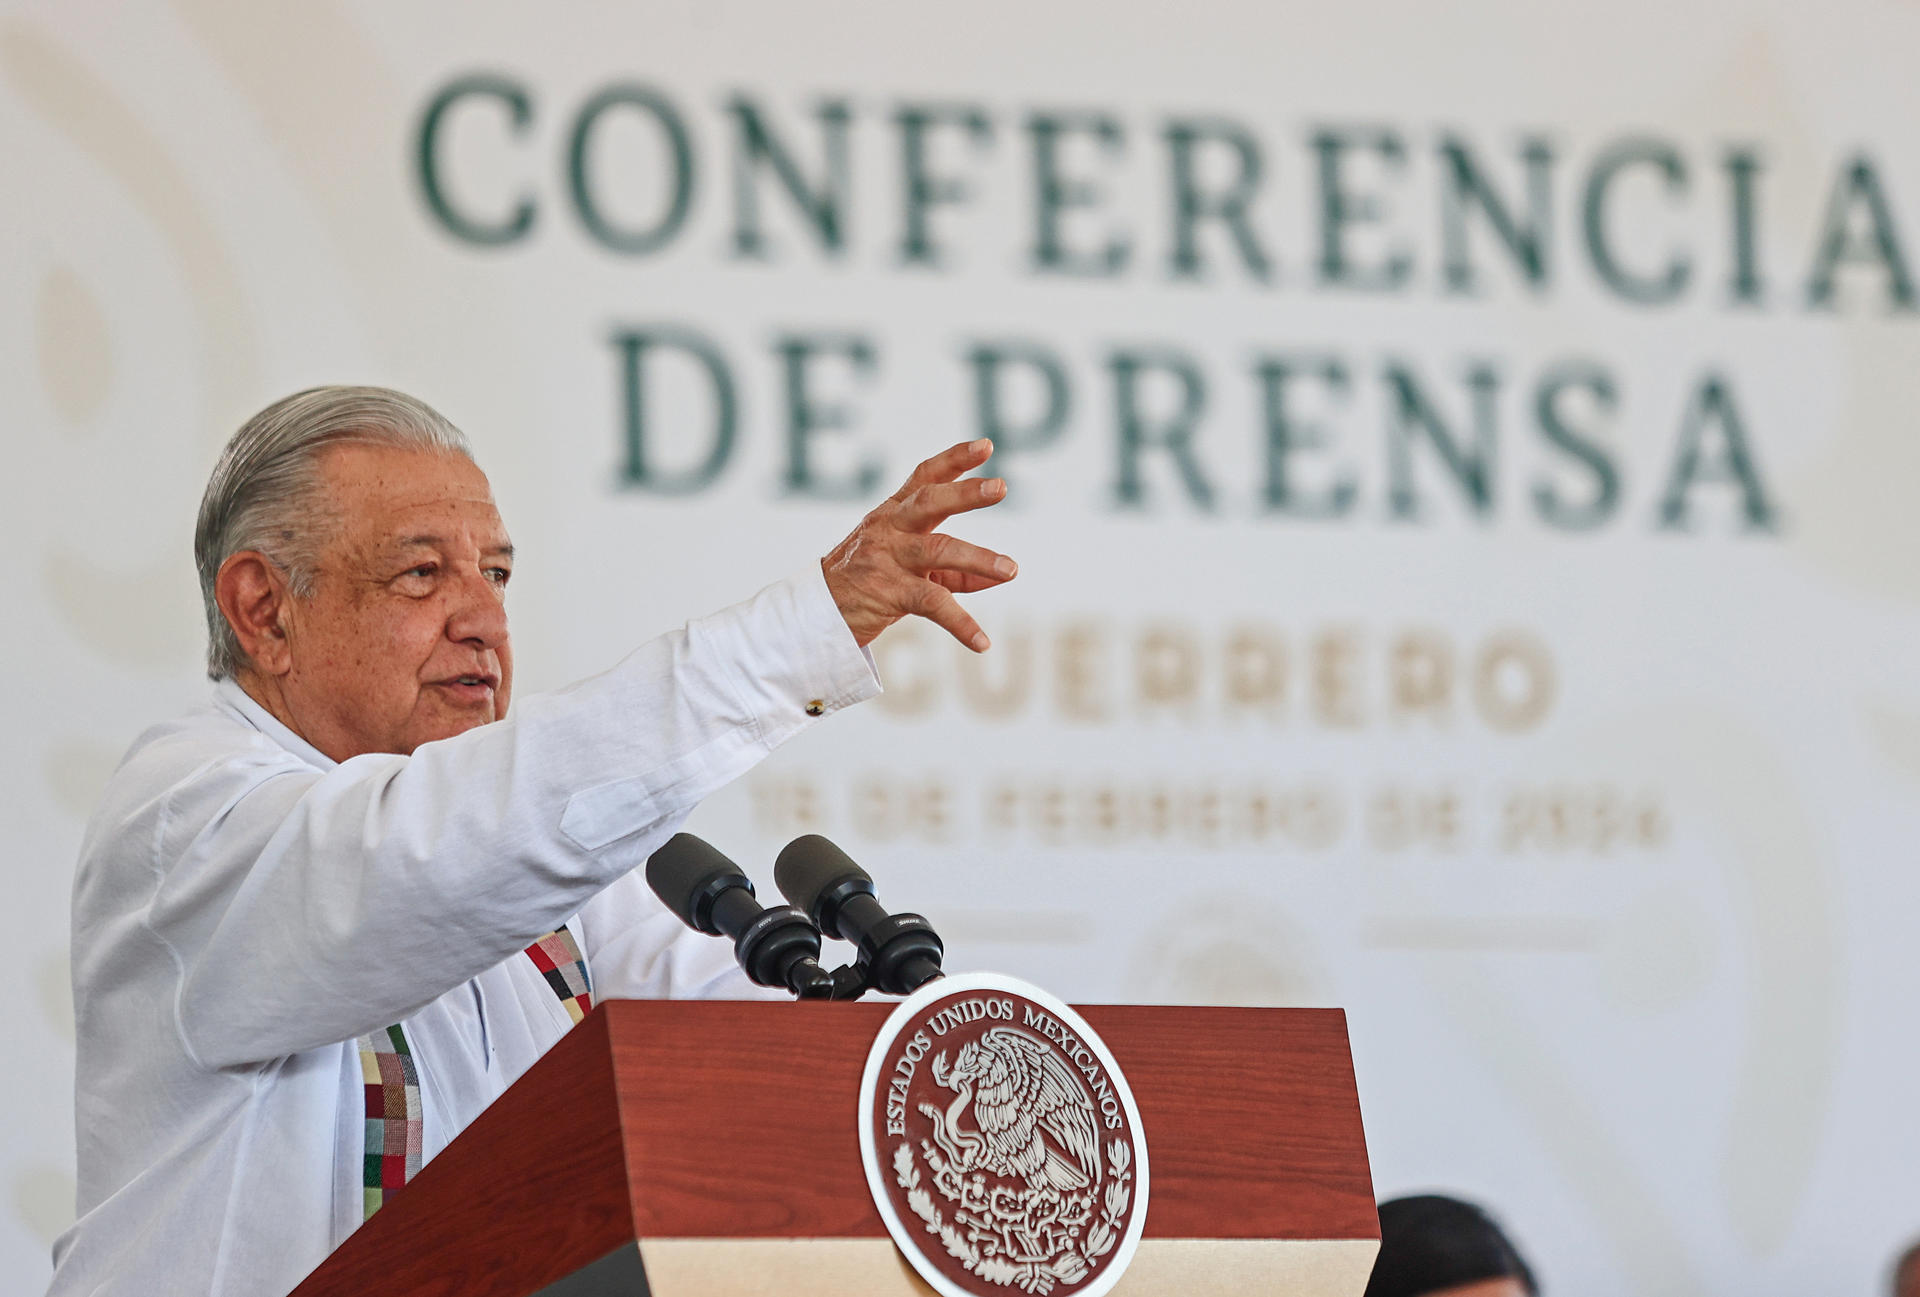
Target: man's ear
{"x":252,"y":594}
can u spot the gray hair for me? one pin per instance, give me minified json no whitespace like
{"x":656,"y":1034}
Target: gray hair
{"x":263,"y":494}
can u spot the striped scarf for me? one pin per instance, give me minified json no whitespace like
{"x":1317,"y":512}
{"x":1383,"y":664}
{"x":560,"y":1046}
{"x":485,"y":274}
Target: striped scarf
{"x":392,"y":1082}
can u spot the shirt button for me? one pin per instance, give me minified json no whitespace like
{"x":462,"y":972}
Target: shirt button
{"x":816,"y":708}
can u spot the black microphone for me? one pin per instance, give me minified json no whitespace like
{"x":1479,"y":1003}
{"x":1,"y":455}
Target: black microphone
{"x":899,"y":952}
{"x":710,"y":894}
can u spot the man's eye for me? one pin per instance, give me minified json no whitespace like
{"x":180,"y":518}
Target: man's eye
{"x":499,"y":575}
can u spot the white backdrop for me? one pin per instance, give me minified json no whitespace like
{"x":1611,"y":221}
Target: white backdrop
{"x":1579,"y":768}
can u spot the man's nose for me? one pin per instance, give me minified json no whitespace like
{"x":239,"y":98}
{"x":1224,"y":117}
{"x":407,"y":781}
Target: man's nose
{"x":479,"y":615}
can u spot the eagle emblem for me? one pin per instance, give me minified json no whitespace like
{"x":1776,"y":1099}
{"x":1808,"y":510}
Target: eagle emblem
{"x":1009,"y":1148}
{"x":1033,"y":1116}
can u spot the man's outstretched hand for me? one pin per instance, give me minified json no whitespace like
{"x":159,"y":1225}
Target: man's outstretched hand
{"x":896,"y":565}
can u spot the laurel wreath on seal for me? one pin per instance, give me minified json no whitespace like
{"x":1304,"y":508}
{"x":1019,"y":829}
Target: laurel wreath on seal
{"x":1070,"y":1265}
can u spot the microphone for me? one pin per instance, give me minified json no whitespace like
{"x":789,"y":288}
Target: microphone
{"x":710,"y":894}
{"x":898,"y":952}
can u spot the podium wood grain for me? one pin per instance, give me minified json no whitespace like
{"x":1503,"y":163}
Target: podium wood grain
{"x":688,"y":1120}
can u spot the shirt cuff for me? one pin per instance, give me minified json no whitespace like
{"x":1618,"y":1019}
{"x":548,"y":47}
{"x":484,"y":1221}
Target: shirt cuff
{"x":808,"y":665}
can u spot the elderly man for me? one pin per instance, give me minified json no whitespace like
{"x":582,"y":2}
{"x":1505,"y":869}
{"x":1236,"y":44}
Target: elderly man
{"x":323,"y":921}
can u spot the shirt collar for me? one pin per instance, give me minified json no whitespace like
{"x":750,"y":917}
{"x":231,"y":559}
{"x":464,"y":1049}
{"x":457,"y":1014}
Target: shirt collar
{"x":229,"y":693}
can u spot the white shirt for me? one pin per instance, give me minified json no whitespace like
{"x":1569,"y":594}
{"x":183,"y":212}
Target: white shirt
{"x":245,"y":908}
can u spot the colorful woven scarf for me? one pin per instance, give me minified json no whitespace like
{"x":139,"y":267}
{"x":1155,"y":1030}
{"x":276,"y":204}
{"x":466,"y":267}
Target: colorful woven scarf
{"x":392,"y":1084}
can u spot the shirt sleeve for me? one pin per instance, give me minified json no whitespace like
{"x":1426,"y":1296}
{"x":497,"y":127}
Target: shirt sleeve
{"x":303,"y":907}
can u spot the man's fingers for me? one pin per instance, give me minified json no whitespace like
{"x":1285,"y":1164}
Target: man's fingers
{"x":946,"y":466}
{"x":938,"y":552}
{"x":927,"y":507}
{"x":942,"y":609}
{"x":964,"y":582}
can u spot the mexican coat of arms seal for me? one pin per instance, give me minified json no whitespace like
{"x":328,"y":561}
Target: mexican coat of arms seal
{"x":1001,"y":1142}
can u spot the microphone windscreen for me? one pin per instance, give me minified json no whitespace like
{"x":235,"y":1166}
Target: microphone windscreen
{"x":808,"y":866}
{"x":683,"y":872}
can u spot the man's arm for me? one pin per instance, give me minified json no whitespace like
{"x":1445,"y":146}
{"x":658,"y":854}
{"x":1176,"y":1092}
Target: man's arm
{"x":304,"y":907}
{"x":893,"y":564}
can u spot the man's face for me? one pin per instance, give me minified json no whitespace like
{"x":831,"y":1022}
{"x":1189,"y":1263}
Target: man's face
{"x":404,"y":639}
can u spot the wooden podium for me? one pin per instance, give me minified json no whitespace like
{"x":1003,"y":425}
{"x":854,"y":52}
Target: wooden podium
{"x":710,"y":1147}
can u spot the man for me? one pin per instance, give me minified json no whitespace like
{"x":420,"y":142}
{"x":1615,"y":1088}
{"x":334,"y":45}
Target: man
{"x":320,"y":923}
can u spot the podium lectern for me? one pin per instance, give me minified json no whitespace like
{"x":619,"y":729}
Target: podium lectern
{"x":710,"y":1147}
